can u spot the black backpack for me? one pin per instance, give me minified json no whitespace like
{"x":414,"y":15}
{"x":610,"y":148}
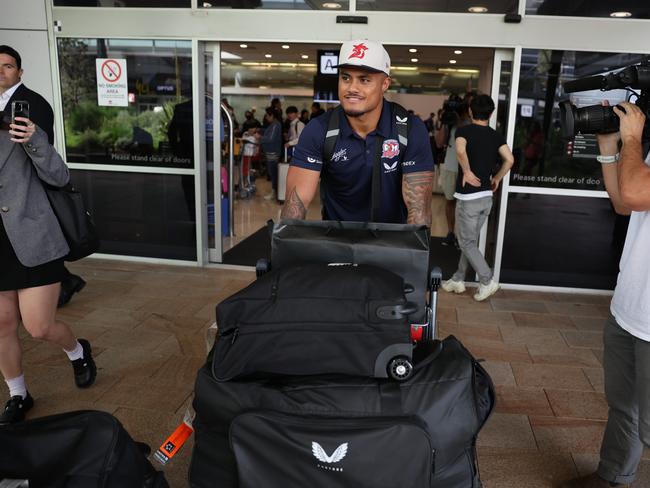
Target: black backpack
{"x":400,"y":120}
{"x":84,"y":449}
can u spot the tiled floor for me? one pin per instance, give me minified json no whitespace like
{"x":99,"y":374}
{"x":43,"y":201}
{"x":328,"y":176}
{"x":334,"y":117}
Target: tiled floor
{"x":147,"y":325}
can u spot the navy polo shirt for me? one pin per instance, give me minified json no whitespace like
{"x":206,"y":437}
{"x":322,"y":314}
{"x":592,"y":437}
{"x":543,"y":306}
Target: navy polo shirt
{"x":348,"y":191}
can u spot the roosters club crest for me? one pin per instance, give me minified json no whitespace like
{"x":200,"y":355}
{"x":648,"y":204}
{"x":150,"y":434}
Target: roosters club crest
{"x":358,"y":51}
{"x":390,"y":148}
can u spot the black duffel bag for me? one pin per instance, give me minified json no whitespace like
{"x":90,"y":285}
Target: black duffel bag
{"x":84,"y":449}
{"x":311,"y":319}
{"x":400,"y":248}
{"x":343,"y":432}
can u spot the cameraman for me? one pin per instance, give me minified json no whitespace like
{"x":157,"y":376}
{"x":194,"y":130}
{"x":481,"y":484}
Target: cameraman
{"x":626,"y":359}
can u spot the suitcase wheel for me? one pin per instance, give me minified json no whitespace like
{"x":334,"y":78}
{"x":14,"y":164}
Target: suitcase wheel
{"x":400,"y":368}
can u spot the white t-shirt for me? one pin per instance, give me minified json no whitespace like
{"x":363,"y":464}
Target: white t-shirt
{"x":631,"y":302}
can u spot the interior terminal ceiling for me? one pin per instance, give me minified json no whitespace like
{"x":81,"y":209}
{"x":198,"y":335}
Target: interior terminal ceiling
{"x":415,"y":69}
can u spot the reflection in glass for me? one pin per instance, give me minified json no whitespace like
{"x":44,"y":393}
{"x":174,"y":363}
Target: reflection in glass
{"x":543,"y":158}
{"x":124,"y":3}
{"x":622,"y":9}
{"x":336,"y":5}
{"x":138,"y":214}
{"x":562,"y":241}
{"x":154,"y":129}
{"x":491,"y":6}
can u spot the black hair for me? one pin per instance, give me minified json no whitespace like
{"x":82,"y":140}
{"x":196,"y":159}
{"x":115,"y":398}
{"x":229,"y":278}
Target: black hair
{"x":13,"y":53}
{"x":316,"y":105}
{"x":292,"y":110}
{"x":482,"y":107}
{"x":270,"y":111}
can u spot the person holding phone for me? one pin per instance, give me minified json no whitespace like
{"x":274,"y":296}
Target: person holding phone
{"x":12,"y":89}
{"x":32,"y":246}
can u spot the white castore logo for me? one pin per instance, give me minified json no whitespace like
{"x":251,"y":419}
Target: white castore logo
{"x":390,"y":167}
{"x":400,"y":120}
{"x":320,"y":454}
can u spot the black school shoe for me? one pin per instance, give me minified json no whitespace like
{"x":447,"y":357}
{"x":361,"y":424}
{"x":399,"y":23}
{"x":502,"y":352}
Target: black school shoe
{"x":70,"y":285}
{"x":15,"y":409}
{"x":85,"y":370}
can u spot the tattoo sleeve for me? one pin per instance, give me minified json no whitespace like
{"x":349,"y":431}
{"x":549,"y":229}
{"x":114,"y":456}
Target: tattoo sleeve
{"x":416,"y":191}
{"x":293,"y":207}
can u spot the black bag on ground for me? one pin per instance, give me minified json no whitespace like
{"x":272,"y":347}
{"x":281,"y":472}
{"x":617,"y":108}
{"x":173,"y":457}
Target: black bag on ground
{"x":75,"y":221}
{"x":400,"y":248}
{"x":84,"y":449}
{"x":345,"y":432}
{"x":315,"y":319}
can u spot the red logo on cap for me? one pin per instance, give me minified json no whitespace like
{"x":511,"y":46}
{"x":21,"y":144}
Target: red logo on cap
{"x":358,"y":51}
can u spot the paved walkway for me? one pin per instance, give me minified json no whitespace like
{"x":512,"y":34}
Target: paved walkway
{"x":147,"y":325}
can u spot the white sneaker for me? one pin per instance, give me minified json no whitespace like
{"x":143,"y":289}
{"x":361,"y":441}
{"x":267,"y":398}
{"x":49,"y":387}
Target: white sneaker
{"x":453,"y":286}
{"x":486,"y":291}
{"x":270,"y":196}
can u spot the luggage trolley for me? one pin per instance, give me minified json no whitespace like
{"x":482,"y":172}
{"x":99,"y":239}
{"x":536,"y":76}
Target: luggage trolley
{"x":246,"y":179}
{"x":344,"y":242}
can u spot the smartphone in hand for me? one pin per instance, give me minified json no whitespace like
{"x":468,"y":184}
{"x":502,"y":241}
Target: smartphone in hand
{"x":19,"y":108}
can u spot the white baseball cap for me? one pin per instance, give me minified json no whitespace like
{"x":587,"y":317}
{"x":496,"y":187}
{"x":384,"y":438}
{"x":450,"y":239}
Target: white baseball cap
{"x":365,"y":54}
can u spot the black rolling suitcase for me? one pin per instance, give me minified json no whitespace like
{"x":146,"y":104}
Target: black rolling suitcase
{"x":403,"y":249}
{"x":344,"y":432}
{"x":310,"y":319}
{"x":84,"y":449}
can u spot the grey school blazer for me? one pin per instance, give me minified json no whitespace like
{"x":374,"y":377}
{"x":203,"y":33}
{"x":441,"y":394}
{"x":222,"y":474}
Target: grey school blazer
{"x":29,"y":221}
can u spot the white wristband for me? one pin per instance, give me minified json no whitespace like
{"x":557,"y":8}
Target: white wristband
{"x":607,"y":159}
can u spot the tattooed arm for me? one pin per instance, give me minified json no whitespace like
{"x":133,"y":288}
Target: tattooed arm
{"x":416,"y":191}
{"x":301,"y":189}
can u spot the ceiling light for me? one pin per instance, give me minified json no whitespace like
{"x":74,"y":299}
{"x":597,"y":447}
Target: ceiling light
{"x":458,"y":51}
{"x":207,"y":5}
{"x":414,"y":60}
{"x":458,"y":70}
{"x":478,"y":10}
{"x":285,"y":46}
{"x":413,"y":50}
{"x":263,"y":87}
{"x":620,"y":15}
{"x":331,"y":5}
{"x":268,"y":56}
{"x":452,"y":61}
{"x":304,"y":56}
{"x":243,"y":46}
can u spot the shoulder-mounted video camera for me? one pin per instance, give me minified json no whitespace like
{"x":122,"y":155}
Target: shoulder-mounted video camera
{"x":599,"y":119}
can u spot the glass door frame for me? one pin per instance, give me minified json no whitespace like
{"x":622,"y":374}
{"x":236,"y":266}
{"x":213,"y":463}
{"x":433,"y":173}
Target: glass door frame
{"x":514,"y":56}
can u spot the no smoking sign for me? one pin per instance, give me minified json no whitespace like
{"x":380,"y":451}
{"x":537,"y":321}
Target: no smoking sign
{"x":112,"y":86}
{"x":111,"y":70}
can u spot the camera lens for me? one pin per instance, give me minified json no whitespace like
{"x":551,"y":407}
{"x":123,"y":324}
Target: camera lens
{"x":594,"y":119}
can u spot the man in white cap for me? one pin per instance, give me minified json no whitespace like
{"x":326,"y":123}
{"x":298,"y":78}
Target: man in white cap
{"x":374,"y":160}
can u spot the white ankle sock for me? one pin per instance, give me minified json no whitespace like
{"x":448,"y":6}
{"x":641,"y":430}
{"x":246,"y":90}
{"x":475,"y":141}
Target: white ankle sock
{"x":76,"y":353}
{"x":17,"y":386}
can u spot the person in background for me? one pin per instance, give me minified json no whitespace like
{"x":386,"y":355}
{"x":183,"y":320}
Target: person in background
{"x":32,"y":247}
{"x":296,"y":127}
{"x":271,"y":142}
{"x":251,"y":122}
{"x":304,"y":116}
{"x":316,"y":110}
{"x":478,"y":150}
